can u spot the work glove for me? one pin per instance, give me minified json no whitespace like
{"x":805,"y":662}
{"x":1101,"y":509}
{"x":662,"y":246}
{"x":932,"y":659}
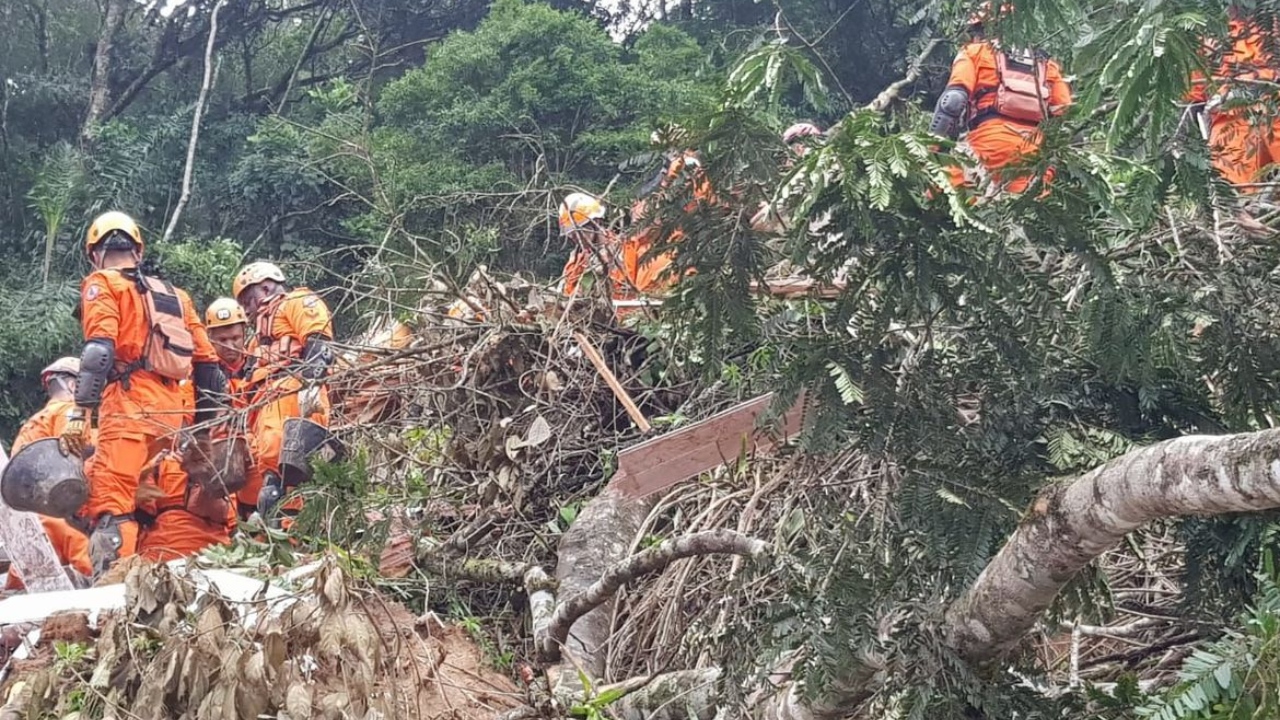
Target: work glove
{"x":309,"y":401}
{"x":76,"y":434}
{"x":270,"y":495}
{"x":105,"y":544}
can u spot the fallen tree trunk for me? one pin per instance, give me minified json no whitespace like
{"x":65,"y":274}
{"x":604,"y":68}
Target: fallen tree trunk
{"x":1073,"y":522}
{"x":1069,"y":525}
{"x":599,"y":538}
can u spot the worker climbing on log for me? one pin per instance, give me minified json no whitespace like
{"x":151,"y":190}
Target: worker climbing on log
{"x":293,"y":351}
{"x":1000,"y":97}
{"x":1243,"y":131}
{"x":59,"y":382}
{"x":142,"y":338}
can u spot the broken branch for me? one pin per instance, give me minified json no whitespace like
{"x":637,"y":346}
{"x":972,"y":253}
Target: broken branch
{"x":655,"y":558}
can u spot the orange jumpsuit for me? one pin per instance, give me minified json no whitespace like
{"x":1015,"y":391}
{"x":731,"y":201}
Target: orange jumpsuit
{"x":283,"y":325}
{"x":140,"y":414}
{"x":1243,"y":139}
{"x":999,"y":141}
{"x":71,"y":545}
{"x":186,"y":520}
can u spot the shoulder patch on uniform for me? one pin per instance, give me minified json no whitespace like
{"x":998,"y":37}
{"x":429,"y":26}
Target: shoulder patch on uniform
{"x":310,"y":301}
{"x":92,"y":292}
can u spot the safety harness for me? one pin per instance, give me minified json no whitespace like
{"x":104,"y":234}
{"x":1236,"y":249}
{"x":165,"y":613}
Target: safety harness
{"x":1021,"y":89}
{"x":169,"y":346}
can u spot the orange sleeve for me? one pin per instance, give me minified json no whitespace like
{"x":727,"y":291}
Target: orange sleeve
{"x":307,"y":315}
{"x":1059,"y":90}
{"x":71,"y":545}
{"x":574,"y":267}
{"x":38,"y":427}
{"x":99,"y":308}
{"x":964,"y":71}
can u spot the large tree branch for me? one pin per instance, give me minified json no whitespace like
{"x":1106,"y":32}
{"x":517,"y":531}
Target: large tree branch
{"x":1073,"y":522}
{"x":647,"y":561}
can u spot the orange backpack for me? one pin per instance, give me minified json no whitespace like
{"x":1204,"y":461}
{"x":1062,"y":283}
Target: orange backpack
{"x":1022,"y":86}
{"x":169,"y":345}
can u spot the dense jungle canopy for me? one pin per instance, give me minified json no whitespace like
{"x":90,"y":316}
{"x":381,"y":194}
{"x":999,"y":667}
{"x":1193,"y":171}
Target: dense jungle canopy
{"x":980,"y":351}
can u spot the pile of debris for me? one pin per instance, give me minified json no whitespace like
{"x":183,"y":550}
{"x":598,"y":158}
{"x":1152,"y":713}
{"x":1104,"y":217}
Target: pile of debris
{"x":176,"y":641}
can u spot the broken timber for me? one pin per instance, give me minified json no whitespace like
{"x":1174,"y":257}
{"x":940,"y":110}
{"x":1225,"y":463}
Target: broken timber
{"x":661,"y":462}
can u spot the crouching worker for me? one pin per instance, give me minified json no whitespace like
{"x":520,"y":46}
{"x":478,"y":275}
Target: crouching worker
{"x":142,"y":338}
{"x":185,"y":512}
{"x":292,"y":355}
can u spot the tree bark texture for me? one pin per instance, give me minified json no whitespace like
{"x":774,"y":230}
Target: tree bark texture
{"x":1073,"y":522}
{"x":100,"y":81}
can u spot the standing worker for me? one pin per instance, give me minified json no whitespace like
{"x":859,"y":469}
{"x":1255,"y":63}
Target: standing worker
{"x":1243,"y":134}
{"x":292,"y":355}
{"x":142,"y":337}
{"x":59,"y":381}
{"x":1001,"y":97}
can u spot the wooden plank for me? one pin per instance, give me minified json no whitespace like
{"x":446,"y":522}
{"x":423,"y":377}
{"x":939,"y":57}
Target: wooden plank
{"x":612,"y":381}
{"x":661,"y":462}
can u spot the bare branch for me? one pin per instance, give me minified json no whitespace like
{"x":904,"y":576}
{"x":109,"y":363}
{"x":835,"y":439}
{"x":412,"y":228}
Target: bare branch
{"x":187,"y":173}
{"x":651,"y":560}
{"x":889,"y":94}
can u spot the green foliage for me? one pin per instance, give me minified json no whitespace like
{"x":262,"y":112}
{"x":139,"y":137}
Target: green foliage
{"x":1235,"y":677}
{"x":203,"y":268}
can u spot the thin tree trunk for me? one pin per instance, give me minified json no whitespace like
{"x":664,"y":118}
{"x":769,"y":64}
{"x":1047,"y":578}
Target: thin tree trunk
{"x":187,"y":173}
{"x":100,"y":82}
{"x":1072,"y":523}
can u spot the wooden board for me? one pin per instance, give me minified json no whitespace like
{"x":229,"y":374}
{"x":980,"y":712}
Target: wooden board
{"x":659,"y":463}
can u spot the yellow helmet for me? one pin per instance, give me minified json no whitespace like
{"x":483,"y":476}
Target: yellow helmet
{"x":61,"y":366}
{"x":109,"y":223}
{"x":254,"y":273}
{"x":577,"y":210}
{"x":223,"y":312}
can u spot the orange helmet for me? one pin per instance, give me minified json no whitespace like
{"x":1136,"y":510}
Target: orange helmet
{"x":61,"y":366}
{"x":577,"y":210}
{"x":254,"y":273}
{"x":110,"y":224}
{"x":223,"y":312}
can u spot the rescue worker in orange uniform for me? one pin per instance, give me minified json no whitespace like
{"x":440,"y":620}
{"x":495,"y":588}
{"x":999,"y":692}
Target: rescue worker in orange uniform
{"x":1244,"y":137}
{"x":293,"y":352}
{"x":1001,"y":97}
{"x":142,"y":338}
{"x":597,"y":249}
{"x":229,"y":331}
{"x":180,"y":517}
{"x":59,"y":381}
